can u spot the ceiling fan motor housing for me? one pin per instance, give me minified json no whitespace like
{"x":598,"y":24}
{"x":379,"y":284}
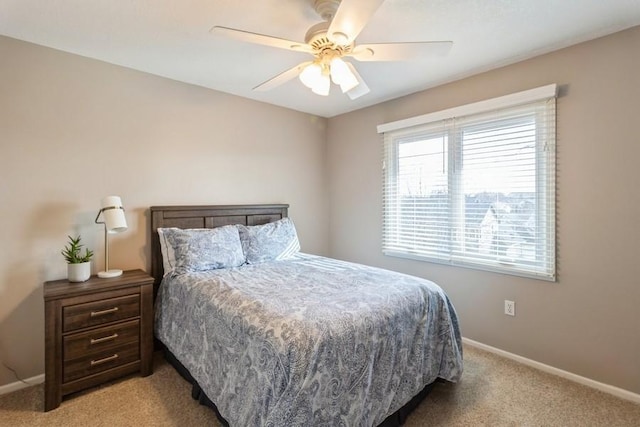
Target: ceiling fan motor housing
{"x":317,"y":38}
{"x":327,"y":10}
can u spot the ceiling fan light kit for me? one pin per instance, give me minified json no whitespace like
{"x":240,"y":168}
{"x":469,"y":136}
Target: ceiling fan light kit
{"x":316,"y":75}
{"x":331,"y":41}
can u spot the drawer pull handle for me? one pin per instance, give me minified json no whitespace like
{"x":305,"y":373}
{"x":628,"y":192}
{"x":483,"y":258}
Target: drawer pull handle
{"x":104,"y":360}
{"x":103,"y":339}
{"x":103,"y":312}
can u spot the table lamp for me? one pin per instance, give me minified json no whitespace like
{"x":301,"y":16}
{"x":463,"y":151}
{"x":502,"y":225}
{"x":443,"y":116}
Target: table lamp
{"x":114,"y":222}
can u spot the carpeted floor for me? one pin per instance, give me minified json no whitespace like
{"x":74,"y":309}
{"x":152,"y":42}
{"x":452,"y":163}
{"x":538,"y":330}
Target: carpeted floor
{"x":493,"y":392}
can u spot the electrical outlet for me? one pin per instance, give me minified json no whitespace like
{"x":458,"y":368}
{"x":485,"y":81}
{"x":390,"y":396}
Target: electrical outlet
{"x":509,"y":308}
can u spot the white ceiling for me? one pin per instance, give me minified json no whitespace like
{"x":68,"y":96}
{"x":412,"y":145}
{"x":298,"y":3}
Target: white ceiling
{"x":171,"y":38}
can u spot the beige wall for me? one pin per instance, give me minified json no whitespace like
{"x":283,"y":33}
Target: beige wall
{"x":588,"y":322}
{"x":73,"y":130}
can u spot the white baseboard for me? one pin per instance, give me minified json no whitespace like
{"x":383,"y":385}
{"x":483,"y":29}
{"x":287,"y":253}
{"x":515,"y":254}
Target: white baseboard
{"x":615,"y":391}
{"x":18,"y":385}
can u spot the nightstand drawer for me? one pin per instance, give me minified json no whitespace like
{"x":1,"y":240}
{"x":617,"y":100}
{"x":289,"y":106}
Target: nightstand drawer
{"x":101,"y":340}
{"x":100,"y":361}
{"x":99,"y":312}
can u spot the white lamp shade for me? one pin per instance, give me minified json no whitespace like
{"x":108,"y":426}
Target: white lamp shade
{"x":342,"y":75}
{"x":323,"y":85}
{"x":114,"y":214}
{"x":339,"y":70}
{"x":311,"y":74}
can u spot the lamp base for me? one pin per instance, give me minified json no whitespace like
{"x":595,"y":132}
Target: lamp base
{"x":109,"y":273}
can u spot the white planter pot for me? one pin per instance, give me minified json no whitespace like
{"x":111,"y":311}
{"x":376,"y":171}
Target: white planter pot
{"x":79,"y":272}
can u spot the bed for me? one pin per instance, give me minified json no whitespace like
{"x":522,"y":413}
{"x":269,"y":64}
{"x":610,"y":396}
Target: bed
{"x":298,"y":339}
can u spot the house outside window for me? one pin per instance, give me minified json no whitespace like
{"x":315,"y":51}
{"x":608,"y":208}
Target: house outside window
{"x":474,"y":186}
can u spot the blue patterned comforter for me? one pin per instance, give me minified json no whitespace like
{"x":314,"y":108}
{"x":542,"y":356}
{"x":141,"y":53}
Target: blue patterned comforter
{"x":309,"y":341}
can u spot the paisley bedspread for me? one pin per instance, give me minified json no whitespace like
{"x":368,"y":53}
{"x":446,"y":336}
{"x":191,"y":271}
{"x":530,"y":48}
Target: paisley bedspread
{"x":309,"y":341}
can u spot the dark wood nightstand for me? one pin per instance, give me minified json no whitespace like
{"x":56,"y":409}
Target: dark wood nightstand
{"x":96,"y":331}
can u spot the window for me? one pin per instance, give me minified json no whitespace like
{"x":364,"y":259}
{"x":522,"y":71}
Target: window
{"x":474,"y":186}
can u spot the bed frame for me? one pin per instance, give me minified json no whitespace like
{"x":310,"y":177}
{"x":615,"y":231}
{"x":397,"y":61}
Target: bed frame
{"x":212,"y":216}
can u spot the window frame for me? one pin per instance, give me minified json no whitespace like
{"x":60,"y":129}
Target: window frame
{"x":475,"y":115}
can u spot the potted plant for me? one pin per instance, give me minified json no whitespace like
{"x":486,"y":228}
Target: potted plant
{"x":78,"y":264}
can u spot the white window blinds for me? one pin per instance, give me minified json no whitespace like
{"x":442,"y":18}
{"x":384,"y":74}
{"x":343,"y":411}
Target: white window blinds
{"x":477,"y":189}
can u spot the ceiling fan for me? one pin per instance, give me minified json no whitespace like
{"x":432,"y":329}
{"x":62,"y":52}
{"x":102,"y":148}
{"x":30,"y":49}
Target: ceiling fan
{"x":331,"y":41}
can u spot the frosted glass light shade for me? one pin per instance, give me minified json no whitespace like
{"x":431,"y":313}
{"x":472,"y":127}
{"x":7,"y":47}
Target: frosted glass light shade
{"x":342,"y":75}
{"x":339,"y":71}
{"x":322,"y":86}
{"x":311,"y":75}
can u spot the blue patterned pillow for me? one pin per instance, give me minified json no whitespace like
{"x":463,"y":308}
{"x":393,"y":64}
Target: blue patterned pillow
{"x":205,"y":249}
{"x":273,"y":241}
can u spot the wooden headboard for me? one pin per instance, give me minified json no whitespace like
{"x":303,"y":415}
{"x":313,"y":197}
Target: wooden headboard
{"x":205,"y":217}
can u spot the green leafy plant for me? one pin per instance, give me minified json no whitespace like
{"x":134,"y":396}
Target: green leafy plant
{"x":72,"y":252}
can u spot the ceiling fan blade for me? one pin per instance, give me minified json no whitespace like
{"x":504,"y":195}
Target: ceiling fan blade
{"x":249,"y":37}
{"x":350,"y":18}
{"x":400,"y":51}
{"x":281,"y":78}
{"x":361,"y":89}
